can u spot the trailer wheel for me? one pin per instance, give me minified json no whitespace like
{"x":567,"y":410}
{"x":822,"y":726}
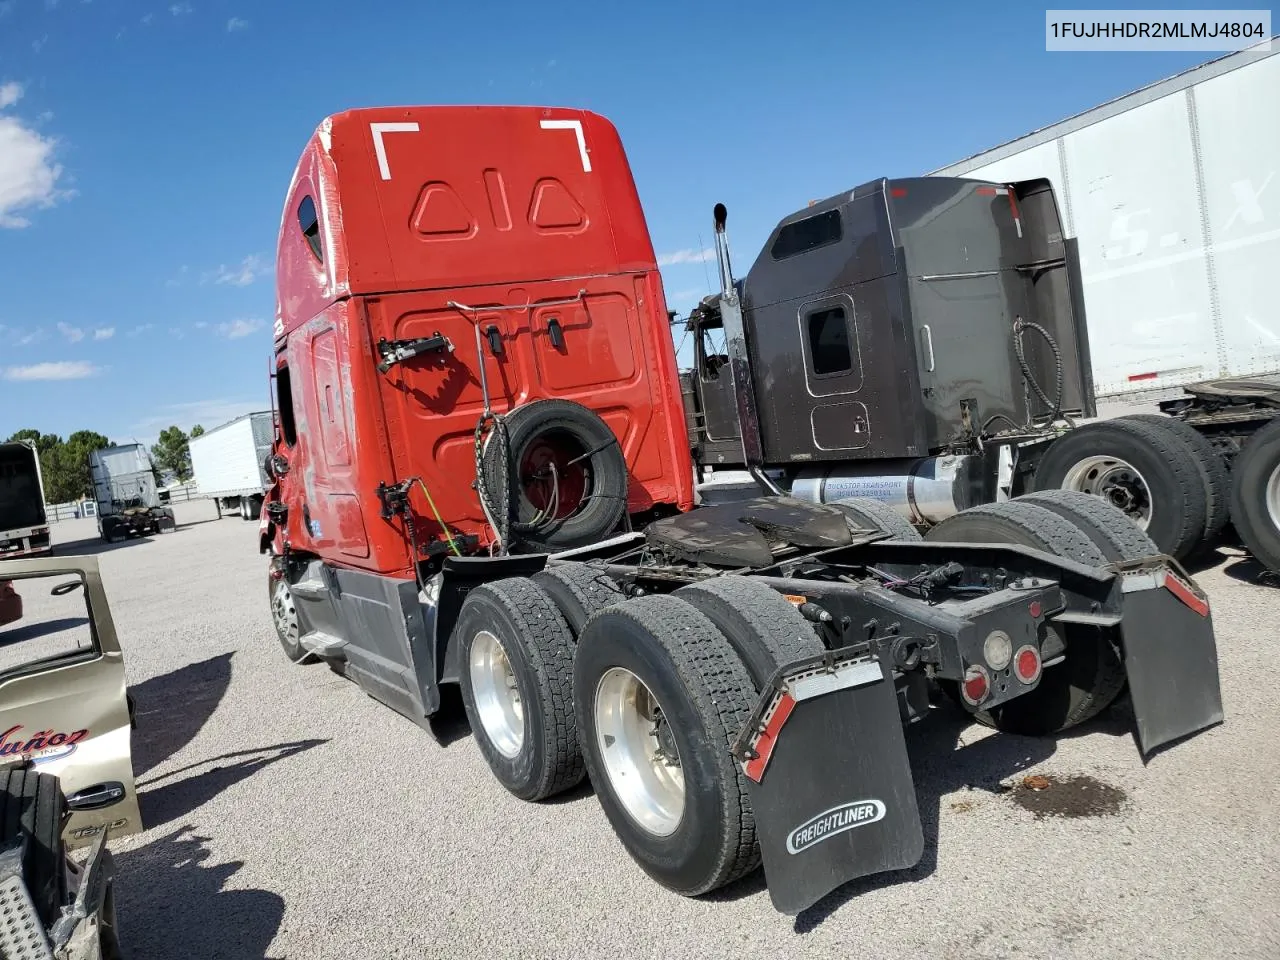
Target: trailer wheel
{"x":1110,"y":528}
{"x":1151,"y":474}
{"x":578,"y":590}
{"x":33,"y":808}
{"x":661,"y":695}
{"x":565,"y":472}
{"x":516,"y":674}
{"x":877,"y":515}
{"x":284,"y":615}
{"x":1255,"y":495}
{"x":764,"y":630}
{"x":1091,"y":675}
{"x":1213,"y":469}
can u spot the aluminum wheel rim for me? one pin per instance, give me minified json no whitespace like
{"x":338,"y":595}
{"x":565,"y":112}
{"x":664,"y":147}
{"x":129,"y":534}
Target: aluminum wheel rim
{"x":1115,"y":481}
{"x":284,"y":613}
{"x":640,"y":756}
{"x":497,"y":694}
{"x":1273,"y":497}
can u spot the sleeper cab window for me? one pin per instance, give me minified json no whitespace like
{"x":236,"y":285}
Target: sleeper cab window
{"x":309,"y":221}
{"x":807,"y":234}
{"x":828,"y":335}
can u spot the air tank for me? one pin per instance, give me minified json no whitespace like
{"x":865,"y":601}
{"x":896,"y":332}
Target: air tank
{"x":927,"y":490}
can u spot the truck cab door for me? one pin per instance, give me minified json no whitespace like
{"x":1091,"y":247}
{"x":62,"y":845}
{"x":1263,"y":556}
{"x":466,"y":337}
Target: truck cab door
{"x":716,"y":398}
{"x":63,"y":703}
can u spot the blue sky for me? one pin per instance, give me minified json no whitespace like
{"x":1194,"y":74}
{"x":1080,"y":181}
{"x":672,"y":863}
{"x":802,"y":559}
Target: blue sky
{"x":145,"y":148}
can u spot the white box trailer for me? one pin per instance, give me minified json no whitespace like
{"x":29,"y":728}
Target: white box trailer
{"x":24,"y":517}
{"x":1173,"y":195}
{"x":227,"y":463}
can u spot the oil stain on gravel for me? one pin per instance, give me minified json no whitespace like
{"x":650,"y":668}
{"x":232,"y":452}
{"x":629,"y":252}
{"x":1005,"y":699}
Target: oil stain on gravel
{"x":1070,"y":797}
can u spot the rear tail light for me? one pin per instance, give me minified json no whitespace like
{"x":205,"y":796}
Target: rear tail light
{"x":1026,"y":664}
{"x":976,"y":685}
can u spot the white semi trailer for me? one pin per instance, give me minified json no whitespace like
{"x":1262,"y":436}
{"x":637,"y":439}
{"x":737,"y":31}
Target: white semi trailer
{"x":227,"y":463}
{"x":1172,"y":195}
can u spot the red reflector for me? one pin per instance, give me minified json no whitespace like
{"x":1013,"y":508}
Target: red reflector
{"x":1026,"y":664}
{"x":1143,"y":376}
{"x":975,"y":685}
{"x":898,"y":192}
{"x":1186,"y":594}
{"x":986,"y":191}
{"x":769,"y":738}
{"x":1034,"y":609}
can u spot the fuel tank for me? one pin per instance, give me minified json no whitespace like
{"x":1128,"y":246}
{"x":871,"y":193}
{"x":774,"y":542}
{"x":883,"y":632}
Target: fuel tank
{"x":925,"y":490}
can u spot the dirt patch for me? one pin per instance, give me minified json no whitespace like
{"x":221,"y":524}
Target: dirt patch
{"x":1071,"y":797}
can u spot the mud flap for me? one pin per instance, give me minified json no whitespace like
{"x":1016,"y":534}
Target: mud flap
{"x":1170,"y":657}
{"x":829,"y":779}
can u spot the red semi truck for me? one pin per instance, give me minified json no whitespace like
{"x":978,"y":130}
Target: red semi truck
{"x":484,"y":470}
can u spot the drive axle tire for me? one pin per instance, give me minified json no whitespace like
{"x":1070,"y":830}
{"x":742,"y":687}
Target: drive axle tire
{"x":764,"y":630}
{"x":1151,"y":474}
{"x":561,"y":459}
{"x":32,"y":807}
{"x":516,"y":673}
{"x":1110,"y":528}
{"x":865,"y":512}
{"x":1255,"y":495}
{"x":1213,"y":469}
{"x":578,"y":590}
{"x":1091,"y":675}
{"x":661,"y":696}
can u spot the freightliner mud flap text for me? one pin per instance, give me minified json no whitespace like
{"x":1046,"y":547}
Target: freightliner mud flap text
{"x":829,"y":779}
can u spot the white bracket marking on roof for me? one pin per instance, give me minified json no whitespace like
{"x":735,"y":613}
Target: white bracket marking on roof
{"x":576,"y":127}
{"x":378,"y":129}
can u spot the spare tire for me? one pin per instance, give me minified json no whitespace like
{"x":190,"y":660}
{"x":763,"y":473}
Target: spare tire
{"x":564,"y":473}
{"x":33,"y":808}
{"x":1151,"y":474}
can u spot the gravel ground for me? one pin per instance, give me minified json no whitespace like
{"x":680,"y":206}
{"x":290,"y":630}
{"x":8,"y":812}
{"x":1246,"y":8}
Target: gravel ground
{"x":292,"y":816}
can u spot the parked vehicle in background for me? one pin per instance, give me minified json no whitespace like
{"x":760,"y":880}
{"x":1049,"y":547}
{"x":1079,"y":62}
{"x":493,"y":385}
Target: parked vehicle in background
{"x":24,"y":520}
{"x":124,"y":487}
{"x":227,"y":463}
{"x":1170,"y":192}
{"x":66,"y":769}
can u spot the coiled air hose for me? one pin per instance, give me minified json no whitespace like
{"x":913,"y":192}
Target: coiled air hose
{"x":1019,"y":349}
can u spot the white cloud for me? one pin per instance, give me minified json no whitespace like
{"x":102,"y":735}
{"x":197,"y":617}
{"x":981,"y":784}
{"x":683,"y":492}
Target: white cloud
{"x":73,"y":334}
{"x":148,"y":18}
{"x":26,"y":339}
{"x":139,"y":330}
{"x":104,"y":333}
{"x":235,"y":23}
{"x":239,"y":328}
{"x":58,"y":370}
{"x":179,"y":9}
{"x":179,"y":279}
{"x":38,"y":45}
{"x":210,"y":413}
{"x":248,"y":270}
{"x":200,"y":324}
{"x":176,"y":333}
{"x":686,"y":256}
{"x":28,"y":173}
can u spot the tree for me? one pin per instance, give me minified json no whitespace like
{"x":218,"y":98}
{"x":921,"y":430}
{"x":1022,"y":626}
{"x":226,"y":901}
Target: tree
{"x":196,"y":431}
{"x":171,"y":453}
{"x":73,"y":464}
